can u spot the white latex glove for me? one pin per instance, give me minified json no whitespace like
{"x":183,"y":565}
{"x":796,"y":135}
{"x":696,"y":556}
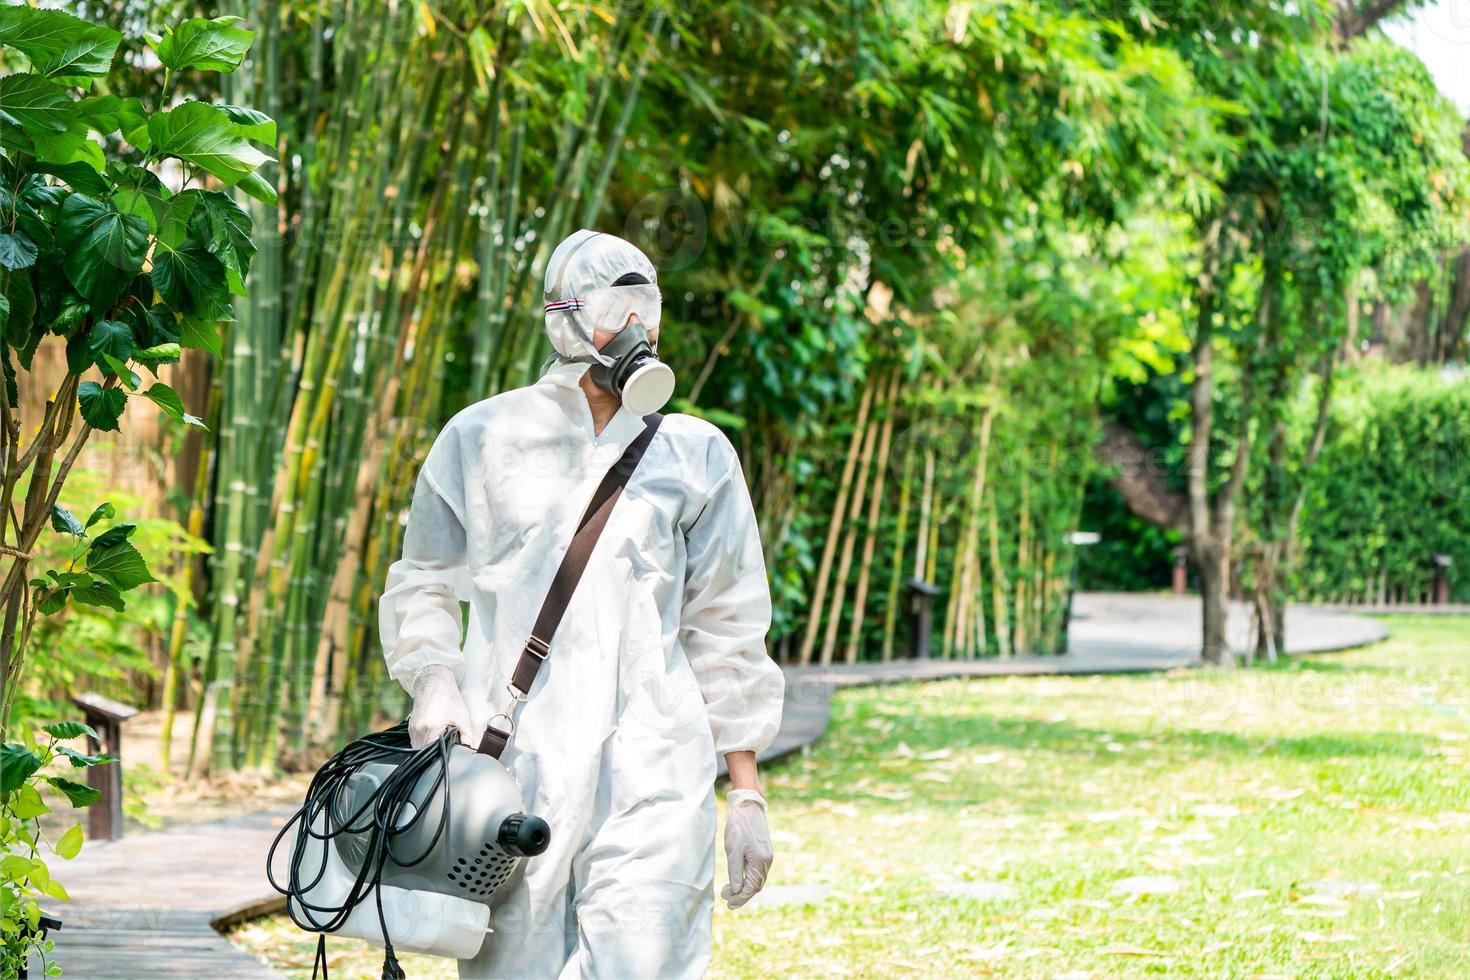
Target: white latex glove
{"x":747,"y":846}
{"x":437,"y":705}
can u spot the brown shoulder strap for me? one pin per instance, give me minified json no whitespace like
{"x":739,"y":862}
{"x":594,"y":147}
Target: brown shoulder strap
{"x":564,"y":583}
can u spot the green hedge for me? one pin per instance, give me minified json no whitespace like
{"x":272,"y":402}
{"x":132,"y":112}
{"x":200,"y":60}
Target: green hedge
{"x":1391,"y":489}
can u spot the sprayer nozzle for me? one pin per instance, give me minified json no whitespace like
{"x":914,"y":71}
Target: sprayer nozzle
{"x":523,"y":835}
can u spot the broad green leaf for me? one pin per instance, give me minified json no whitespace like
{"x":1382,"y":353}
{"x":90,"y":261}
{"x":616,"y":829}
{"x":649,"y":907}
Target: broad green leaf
{"x":17,"y":866}
{"x":173,"y":406}
{"x":69,"y":729}
{"x":104,"y":512}
{"x":27,"y":803}
{"x":79,"y":793}
{"x":126,"y":376}
{"x":78,"y":176}
{"x":57,"y":42}
{"x":80,"y":760}
{"x":36,"y":105}
{"x":17,"y":251}
{"x":17,"y":763}
{"x":253,"y":123}
{"x":159,"y":353}
{"x":104,"y":249}
{"x":225,"y":229}
{"x":201,"y":335}
{"x":190,"y":279}
{"x":62,"y":520}
{"x":208,"y":44}
{"x":91,"y":54}
{"x":102,"y":594}
{"x":52,"y":601}
{"x":121,"y":565}
{"x":56,"y":891}
{"x":114,"y":535}
{"x":111,"y":338}
{"x":203,"y":135}
{"x":132,"y":122}
{"x":100,"y":113}
{"x":101,"y":407}
{"x":259,"y":188}
{"x":69,"y":146}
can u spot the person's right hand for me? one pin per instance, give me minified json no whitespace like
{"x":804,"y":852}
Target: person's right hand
{"x":437,"y":705}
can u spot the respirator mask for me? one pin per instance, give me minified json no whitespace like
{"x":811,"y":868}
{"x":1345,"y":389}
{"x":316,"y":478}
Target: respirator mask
{"x":636,"y":375}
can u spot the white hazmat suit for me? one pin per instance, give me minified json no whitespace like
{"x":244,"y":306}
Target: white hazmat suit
{"x":658,"y":666}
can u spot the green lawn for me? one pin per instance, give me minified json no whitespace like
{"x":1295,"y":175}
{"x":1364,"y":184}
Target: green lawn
{"x":1308,"y":820}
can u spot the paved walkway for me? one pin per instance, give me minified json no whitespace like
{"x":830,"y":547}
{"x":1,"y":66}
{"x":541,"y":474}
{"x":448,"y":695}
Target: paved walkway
{"x":150,"y":905}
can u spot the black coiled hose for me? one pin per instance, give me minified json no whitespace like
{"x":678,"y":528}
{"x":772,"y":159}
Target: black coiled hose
{"x":380,"y":818}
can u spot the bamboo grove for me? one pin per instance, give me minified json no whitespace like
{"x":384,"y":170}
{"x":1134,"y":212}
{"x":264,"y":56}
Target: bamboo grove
{"x":904,"y":249}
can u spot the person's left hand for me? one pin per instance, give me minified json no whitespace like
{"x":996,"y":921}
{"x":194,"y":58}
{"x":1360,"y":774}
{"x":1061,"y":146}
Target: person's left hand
{"x":748,"y":848}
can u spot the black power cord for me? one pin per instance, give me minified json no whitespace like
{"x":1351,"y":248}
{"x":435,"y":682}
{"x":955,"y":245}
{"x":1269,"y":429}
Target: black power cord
{"x":380,"y":818}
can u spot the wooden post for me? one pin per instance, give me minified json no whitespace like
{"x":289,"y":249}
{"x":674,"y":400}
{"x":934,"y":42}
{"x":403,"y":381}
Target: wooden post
{"x":1181,"y":571}
{"x":922,"y":617}
{"x":1441,"y":594}
{"x":105,"y":818}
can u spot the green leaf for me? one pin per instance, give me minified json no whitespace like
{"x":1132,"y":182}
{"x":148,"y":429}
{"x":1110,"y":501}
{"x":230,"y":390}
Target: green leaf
{"x":17,"y":251}
{"x":104,"y":249}
{"x":57,"y":42}
{"x":132,"y":122}
{"x":210,"y":45}
{"x":63,"y":521}
{"x":27,"y":803}
{"x":78,"y":176}
{"x":115,"y":535}
{"x":201,"y":335}
{"x":166,"y":353}
{"x":101,"y":594}
{"x":253,"y":123}
{"x":110,"y":338}
{"x":190,"y":279}
{"x":91,"y":54}
{"x":56,"y":891}
{"x":80,"y":760}
{"x":69,"y":729}
{"x":79,"y":794}
{"x":36,"y":105}
{"x":121,"y":565}
{"x":173,"y":406}
{"x":225,"y":229}
{"x":259,"y":188}
{"x":17,"y":763}
{"x":101,"y":407}
{"x":99,"y":113}
{"x":203,"y":135}
{"x":104,"y":512}
{"x":52,"y":601}
{"x":125,"y":375}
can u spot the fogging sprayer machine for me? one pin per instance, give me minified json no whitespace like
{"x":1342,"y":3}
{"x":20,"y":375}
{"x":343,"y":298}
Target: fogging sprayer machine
{"x":412,"y":849}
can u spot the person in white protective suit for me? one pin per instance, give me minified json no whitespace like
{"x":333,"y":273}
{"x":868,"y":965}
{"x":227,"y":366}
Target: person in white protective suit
{"x":659,"y":664}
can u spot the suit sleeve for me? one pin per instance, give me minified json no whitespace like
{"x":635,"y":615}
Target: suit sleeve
{"x":419,"y":618}
{"x":726,"y":615}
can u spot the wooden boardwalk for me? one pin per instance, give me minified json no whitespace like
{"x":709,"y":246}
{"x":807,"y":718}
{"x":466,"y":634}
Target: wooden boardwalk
{"x":150,"y":906}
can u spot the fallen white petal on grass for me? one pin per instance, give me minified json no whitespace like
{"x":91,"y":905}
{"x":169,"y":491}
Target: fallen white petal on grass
{"x":1148,"y":885}
{"x":1220,"y":810}
{"x":984,"y":891}
{"x":1249,"y":893}
{"x":1345,"y":889}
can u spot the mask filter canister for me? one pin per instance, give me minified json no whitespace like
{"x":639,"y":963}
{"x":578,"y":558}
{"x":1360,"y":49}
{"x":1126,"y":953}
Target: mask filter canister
{"x":636,"y":375}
